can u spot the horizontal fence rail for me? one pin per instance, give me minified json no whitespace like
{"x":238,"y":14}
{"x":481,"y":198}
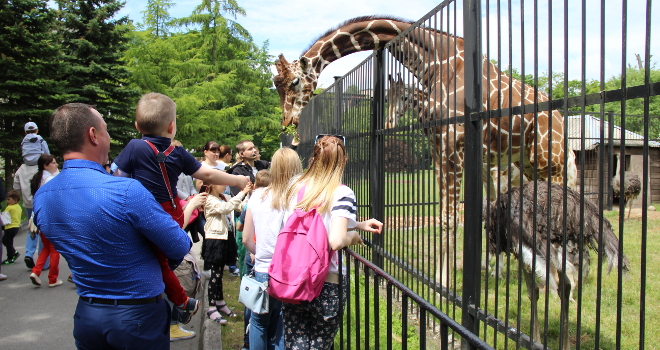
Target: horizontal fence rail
{"x":512,"y":150}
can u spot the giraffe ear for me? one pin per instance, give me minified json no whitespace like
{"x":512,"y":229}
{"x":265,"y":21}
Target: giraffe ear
{"x":281,"y":63}
{"x":304,"y":64}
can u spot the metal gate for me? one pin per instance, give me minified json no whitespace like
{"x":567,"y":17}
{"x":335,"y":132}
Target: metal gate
{"x":446,"y":123}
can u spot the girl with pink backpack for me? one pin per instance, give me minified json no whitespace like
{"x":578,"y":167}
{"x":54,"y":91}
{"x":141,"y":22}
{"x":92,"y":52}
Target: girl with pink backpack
{"x":314,"y":324}
{"x":269,"y":210}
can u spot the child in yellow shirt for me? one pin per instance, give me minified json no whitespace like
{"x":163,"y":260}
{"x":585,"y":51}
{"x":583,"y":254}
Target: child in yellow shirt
{"x":11,"y":230}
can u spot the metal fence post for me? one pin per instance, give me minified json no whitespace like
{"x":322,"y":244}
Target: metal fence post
{"x":339,"y":106}
{"x":377,"y":173}
{"x":473,"y":166}
{"x":610,"y":158}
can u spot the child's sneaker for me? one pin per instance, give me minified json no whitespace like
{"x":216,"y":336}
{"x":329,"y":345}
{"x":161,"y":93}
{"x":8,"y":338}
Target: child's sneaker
{"x":178,"y":333}
{"x":7,"y":262}
{"x":234,"y":272}
{"x":35,"y":279}
{"x":187,"y":311}
{"x":29,"y":262}
{"x":3,"y":277}
{"x":15,"y":257}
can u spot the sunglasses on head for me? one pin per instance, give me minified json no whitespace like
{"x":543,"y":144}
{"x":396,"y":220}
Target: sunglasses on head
{"x":320,"y":136}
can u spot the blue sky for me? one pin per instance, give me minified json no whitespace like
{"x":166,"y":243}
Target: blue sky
{"x":290,"y":25}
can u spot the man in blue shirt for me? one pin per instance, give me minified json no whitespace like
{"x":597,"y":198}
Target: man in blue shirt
{"x":103,"y":226}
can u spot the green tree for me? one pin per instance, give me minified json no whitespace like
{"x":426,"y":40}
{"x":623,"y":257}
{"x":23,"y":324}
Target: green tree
{"x":93,"y":44}
{"x":634,"y":108}
{"x":30,"y":86}
{"x":157,"y":19}
{"x":215,"y":73}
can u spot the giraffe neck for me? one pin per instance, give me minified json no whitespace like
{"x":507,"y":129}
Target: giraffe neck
{"x":362,"y":35}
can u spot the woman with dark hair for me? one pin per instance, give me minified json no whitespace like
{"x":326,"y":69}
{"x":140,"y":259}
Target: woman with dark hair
{"x":224,"y":156}
{"x":47,"y":169}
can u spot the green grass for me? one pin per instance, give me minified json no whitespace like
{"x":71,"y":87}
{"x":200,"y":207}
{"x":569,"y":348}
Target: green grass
{"x":416,"y":244}
{"x":232,"y":333}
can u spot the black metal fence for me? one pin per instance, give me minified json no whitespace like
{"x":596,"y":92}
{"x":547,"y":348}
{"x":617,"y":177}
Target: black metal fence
{"x":457,"y":112}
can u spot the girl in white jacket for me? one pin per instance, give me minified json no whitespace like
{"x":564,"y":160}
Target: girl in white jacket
{"x":219,"y":246}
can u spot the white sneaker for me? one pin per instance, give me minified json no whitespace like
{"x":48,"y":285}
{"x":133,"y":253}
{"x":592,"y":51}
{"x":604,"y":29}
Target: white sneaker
{"x":57,"y":283}
{"x":35,"y":279}
{"x":3,"y":277}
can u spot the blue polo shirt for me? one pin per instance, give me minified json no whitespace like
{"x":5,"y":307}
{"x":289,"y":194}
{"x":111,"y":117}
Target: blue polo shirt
{"x":103,"y":226}
{"x":139,"y":160}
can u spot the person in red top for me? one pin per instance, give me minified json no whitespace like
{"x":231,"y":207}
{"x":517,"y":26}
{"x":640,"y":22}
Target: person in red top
{"x":157,"y":164}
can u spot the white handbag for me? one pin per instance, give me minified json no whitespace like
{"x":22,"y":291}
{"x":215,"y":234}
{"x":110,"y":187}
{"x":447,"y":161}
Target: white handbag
{"x":5,"y":217}
{"x":253,"y":294}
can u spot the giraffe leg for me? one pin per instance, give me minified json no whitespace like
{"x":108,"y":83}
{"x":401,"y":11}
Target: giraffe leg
{"x":448,"y":174}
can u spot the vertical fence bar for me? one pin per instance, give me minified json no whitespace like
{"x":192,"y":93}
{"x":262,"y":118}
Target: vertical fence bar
{"x":339,"y":106}
{"x":473,"y":79}
{"x":377,"y":178}
{"x":610,"y":160}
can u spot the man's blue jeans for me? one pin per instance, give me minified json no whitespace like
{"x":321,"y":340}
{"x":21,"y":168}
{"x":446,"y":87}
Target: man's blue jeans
{"x":31,"y":244}
{"x":267,"y":330}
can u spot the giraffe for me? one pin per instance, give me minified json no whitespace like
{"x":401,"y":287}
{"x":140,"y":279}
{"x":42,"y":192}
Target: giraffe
{"x":402,"y":97}
{"x":436,"y":60}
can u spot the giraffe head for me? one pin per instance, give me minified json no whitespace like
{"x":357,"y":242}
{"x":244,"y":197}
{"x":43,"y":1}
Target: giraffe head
{"x":295,"y":82}
{"x":398,"y":96}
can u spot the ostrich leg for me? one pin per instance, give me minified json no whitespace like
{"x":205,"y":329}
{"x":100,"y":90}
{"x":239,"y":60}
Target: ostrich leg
{"x":629,"y":208}
{"x":533,"y":294}
{"x":565,"y":303}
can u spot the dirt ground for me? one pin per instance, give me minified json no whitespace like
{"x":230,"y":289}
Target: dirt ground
{"x":636,"y":213}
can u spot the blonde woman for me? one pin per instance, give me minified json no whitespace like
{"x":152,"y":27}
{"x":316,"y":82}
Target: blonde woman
{"x":303,"y":325}
{"x":263,"y":216}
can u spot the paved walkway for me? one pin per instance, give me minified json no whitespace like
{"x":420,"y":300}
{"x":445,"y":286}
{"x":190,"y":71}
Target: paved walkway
{"x":34,"y":317}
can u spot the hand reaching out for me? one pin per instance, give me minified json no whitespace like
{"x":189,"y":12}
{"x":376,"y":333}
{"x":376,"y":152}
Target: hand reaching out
{"x":371,"y":225}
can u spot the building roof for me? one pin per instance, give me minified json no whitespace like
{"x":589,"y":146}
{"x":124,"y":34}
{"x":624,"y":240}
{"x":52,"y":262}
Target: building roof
{"x":592,"y":134}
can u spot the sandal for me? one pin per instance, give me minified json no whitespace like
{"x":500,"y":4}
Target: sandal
{"x":229,"y":313}
{"x":215,"y":316}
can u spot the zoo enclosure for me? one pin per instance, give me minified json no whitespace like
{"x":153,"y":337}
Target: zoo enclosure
{"x":391,"y":171}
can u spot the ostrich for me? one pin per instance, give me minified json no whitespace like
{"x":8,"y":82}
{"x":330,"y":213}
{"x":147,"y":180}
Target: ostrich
{"x":529,"y":244}
{"x":632,"y":186}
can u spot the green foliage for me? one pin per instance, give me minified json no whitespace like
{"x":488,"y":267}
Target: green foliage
{"x":157,"y":20}
{"x":634,"y":108}
{"x":30,"y":73}
{"x":93,"y":42}
{"x":556,"y":87}
{"x":215,"y":73}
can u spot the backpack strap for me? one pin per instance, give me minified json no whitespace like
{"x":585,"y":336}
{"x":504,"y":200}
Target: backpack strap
{"x":160,"y":157}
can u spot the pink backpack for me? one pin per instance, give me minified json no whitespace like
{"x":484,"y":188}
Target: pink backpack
{"x":301,"y":259}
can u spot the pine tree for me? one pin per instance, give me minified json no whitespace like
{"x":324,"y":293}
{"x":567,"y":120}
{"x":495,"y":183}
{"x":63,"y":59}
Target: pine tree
{"x":30,"y":86}
{"x":157,"y":19}
{"x":93,"y":43}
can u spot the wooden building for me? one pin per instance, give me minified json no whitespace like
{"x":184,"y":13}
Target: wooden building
{"x":592,"y":166}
